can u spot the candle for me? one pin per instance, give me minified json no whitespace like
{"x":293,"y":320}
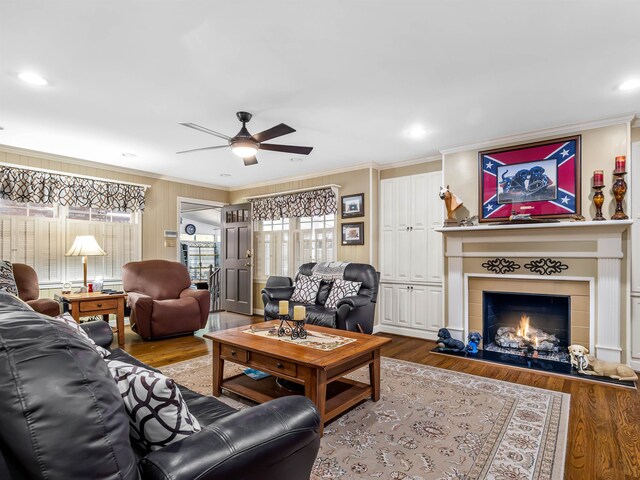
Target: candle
{"x":299,"y":312}
{"x":598,"y":178}
{"x":284,"y":307}
{"x":621,"y":163}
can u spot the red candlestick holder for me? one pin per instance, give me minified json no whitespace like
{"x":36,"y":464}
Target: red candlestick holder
{"x":619,"y":191}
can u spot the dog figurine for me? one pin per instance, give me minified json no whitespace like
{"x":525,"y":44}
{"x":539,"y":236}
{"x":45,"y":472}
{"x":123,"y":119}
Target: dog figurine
{"x":446,"y":343}
{"x":474,"y":341}
{"x":579,"y":358}
{"x":590,"y":365}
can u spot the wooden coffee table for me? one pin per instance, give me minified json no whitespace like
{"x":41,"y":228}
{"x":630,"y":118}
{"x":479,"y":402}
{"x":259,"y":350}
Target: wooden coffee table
{"x":321,"y":372}
{"x":96,"y":303}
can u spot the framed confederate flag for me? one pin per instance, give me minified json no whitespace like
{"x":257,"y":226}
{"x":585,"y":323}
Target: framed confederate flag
{"x":541,"y":179}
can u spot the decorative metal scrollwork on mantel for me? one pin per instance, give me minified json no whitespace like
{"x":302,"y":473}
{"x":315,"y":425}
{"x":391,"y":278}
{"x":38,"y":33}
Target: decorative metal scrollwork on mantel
{"x":501,"y":265}
{"x":546,"y":266}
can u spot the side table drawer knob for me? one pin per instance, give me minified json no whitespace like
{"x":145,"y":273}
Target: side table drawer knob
{"x":279,"y":365}
{"x":233,"y":353}
{"x":99,"y":305}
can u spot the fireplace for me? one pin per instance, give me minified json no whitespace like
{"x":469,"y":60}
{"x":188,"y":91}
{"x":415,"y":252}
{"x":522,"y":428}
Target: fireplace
{"x":526,"y":324}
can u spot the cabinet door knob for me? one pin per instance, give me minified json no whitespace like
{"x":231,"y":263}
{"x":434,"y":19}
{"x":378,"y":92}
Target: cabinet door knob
{"x":411,"y":228}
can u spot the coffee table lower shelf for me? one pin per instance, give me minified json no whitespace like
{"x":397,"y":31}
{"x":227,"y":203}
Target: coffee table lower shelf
{"x":342,"y":394}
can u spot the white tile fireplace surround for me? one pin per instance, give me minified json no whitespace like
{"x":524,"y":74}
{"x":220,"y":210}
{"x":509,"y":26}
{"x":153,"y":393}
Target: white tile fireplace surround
{"x":592,"y":254}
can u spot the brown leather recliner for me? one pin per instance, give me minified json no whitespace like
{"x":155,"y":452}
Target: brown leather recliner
{"x":162,"y":304}
{"x":29,"y":290}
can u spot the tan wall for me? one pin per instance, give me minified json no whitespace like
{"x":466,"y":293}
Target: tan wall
{"x":425,"y":167}
{"x":357,"y":181}
{"x":161,"y":199}
{"x":600,"y":146}
{"x":635,"y":134}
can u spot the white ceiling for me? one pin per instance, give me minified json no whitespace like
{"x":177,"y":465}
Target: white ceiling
{"x":350,"y":76}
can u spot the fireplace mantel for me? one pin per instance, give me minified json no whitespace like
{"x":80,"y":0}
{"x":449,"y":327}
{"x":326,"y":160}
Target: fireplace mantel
{"x":593,"y":247}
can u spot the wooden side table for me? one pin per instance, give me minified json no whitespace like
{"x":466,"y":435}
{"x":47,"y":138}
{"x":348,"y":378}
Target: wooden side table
{"x":91,"y":304}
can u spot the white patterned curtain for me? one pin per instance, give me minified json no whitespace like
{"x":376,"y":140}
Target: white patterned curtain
{"x":24,"y":185}
{"x":312,"y":203}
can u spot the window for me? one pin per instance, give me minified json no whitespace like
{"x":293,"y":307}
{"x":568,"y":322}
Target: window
{"x":281,"y":246}
{"x":40,"y":235}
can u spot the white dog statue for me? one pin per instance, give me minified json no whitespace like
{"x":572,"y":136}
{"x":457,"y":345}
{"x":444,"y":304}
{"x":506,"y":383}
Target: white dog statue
{"x":590,"y":365}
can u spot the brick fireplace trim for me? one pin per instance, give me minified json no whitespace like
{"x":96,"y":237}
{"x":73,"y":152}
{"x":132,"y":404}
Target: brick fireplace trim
{"x":578,"y":288}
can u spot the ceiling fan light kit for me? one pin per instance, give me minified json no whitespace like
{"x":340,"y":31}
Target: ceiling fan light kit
{"x":245,"y":145}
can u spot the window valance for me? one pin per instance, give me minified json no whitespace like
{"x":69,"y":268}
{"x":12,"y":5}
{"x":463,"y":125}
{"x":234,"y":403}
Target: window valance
{"x":310,"y":203}
{"x":24,"y":185}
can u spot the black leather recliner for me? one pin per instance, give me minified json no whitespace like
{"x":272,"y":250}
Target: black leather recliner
{"x":355,"y":313}
{"x":62,"y":416}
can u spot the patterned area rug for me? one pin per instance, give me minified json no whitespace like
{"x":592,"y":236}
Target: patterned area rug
{"x":431,"y":424}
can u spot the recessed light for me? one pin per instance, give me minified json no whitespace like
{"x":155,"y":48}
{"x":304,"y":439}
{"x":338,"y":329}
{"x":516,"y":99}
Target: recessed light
{"x":32,"y":78}
{"x":630,"y":84}
{"x":129,"y":155}
{"x":225,"y":174}
{"x":417,"y":131}
{"x":296,"y":159}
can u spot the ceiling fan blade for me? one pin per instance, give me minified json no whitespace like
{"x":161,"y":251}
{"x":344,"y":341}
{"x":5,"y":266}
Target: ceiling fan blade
{"x":273,"y":132}
{"x":205,"y":148}
{"x":250,"y":161}
{"x":286,"y":148}
{"x":206,"y":130}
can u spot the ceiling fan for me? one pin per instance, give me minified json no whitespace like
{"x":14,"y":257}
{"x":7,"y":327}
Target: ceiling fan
{"x":246,"y":145}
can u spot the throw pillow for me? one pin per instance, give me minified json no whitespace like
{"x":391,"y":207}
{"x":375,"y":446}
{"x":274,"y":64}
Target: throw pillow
{"x":7,"y":280}
{"x":158,"y":415}
{"x":340,"y":289}
{"x":68,"y":320}
{"x":306,"y":289}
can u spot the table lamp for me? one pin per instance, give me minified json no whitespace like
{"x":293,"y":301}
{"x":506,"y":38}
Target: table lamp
{"x":83,"y":246}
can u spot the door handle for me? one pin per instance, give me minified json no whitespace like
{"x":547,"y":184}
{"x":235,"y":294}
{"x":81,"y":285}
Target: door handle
{"x":247,"y":264}
{"x":407,"y":229}
{"x":411,"y":228}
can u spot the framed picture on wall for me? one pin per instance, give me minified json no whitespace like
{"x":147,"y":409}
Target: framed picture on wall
{"x":352,"y":205}
{"x":353,"y":233}
{"x":541,"y":179}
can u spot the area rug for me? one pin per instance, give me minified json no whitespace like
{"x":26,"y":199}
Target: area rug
{"x":431,"y":423}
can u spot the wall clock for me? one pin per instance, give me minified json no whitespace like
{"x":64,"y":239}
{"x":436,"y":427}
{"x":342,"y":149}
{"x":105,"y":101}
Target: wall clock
{"x":190,"y":229}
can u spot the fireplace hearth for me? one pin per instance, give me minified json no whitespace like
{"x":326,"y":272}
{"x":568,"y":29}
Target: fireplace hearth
{"x":527,"y":325}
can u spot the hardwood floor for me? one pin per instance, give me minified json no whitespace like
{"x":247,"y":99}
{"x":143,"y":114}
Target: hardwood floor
{"x":604,"y":424}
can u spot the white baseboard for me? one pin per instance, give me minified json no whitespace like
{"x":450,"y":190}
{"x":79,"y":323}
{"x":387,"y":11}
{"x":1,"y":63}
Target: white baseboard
{"x":635,"y":364}
{"x":257,"y":311}
{"x":407,"y":332}
{"x":376,"y":329}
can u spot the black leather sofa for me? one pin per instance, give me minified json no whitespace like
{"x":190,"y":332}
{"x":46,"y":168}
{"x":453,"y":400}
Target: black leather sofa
{"x":355,"y":313}
{"x":62,"y":417}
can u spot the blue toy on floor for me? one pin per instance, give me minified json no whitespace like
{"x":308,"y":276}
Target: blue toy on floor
{"x":474,"y":341}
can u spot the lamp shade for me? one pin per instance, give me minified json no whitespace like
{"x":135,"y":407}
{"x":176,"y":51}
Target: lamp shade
{"x":85,"y":245}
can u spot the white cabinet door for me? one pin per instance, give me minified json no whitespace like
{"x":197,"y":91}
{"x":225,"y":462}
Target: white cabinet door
{"x":388,"y":304}
{"x":419,"y":308}
{"x":435,"y":216}
{"x":418,"y":229}
{"x":434,"y":303}
{"x":404,"y":306}
{"x":402,"y":254}
{"x":387,"y":229}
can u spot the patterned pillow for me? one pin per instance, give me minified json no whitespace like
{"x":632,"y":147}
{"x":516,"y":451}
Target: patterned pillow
{"x":67,"y":319}
{"x":7,"y":280}
{"x":341,"y":289}
{"x":306,"y":289}
{"x":158,"y":415}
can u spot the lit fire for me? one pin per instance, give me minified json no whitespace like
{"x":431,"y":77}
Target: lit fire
{"x":523,"y":330}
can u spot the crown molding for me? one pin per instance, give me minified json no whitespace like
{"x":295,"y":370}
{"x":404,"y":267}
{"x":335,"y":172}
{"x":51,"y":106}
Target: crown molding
{"x":408,"y":163}
{"x":104,"y":166}
{"x":362,"y":166}
{"x":545,"y":132}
